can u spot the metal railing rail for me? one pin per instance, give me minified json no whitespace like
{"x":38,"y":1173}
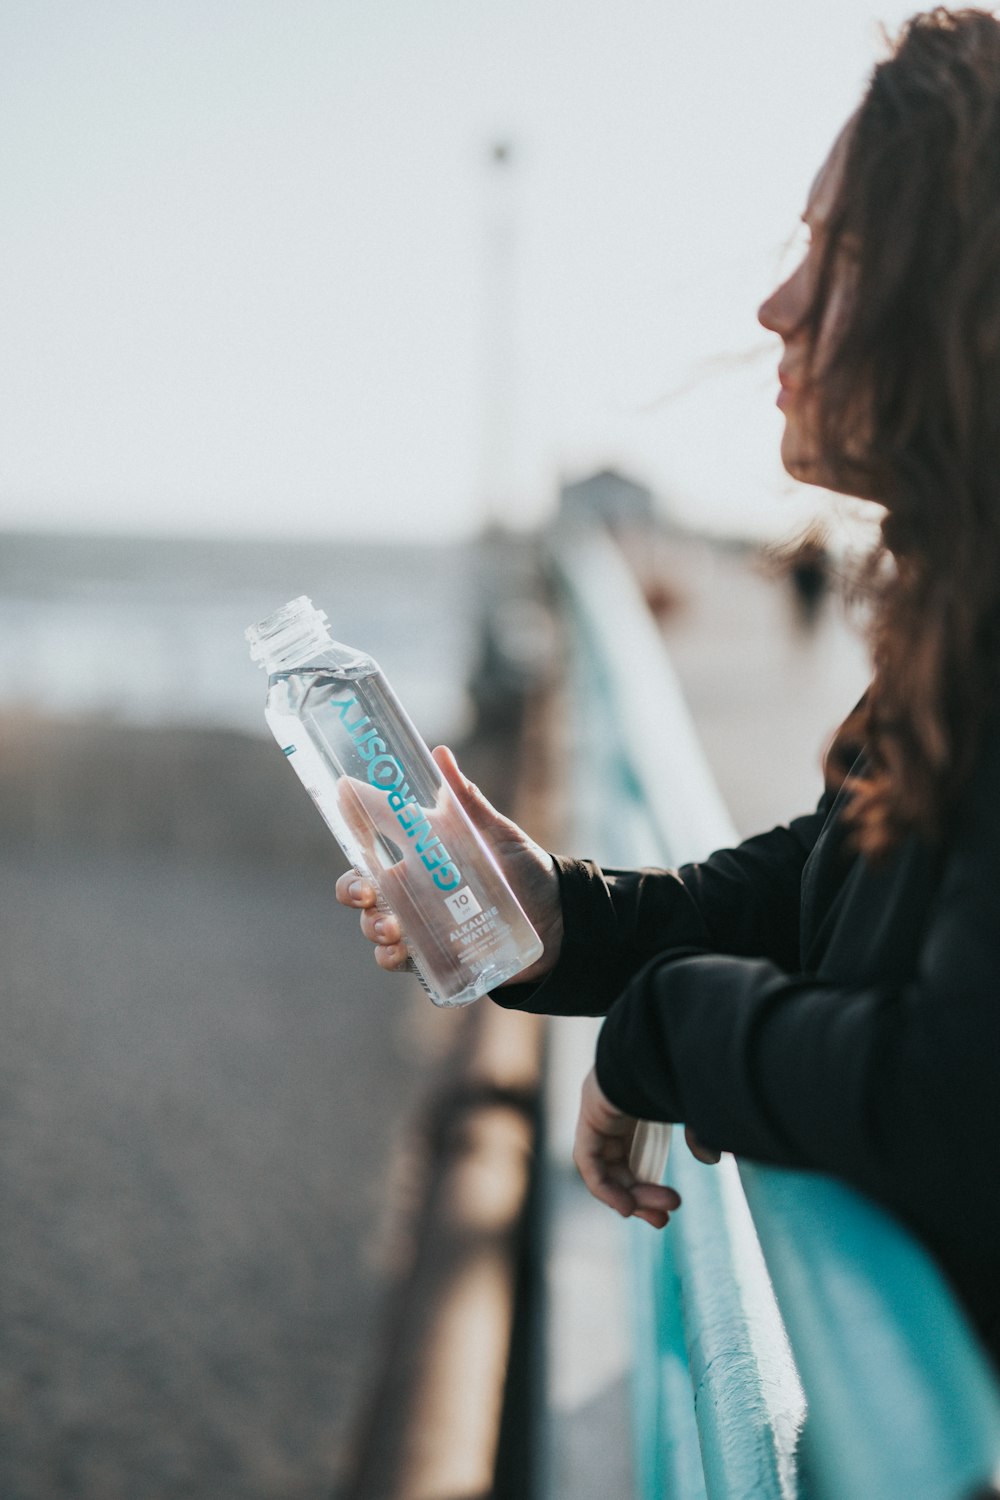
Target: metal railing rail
{"x":818,"y":1349}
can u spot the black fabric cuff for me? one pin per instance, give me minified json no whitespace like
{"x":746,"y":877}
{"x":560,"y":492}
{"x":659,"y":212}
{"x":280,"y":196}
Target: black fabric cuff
{"x":592,"y":970}
{"x":632,"y":1063}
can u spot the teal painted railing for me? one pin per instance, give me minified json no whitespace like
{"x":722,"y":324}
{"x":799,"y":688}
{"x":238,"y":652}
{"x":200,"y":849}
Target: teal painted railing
{"x":791,"y":1341}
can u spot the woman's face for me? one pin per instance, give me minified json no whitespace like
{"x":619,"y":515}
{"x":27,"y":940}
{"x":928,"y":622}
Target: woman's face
{"x":783,"y":313}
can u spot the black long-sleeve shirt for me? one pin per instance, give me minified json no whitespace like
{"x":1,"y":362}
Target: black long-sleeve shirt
{"x":797,"y":1005}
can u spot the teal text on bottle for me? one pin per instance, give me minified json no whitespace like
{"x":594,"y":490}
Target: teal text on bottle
{"x":386,"y":772}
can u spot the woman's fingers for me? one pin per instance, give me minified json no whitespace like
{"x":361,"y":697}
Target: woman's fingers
{"x":381,"y":927}
{"x":480,"y":810}
{"x":378,"y":926}
{"x":655,"y":1208}
{"x":499,"y":831}
{"x":603,"y":1138}
{"x":650,"y":1216}
{"x":354,"y":890}
{"x":652,"y":1202}
{"x":391,"y":957}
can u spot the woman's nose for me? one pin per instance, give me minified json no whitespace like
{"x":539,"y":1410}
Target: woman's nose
{"x":772,"y":313}
{"x":783,"y":311}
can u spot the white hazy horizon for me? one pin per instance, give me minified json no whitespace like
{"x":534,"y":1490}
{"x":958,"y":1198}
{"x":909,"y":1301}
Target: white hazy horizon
{"x":261,"y":272}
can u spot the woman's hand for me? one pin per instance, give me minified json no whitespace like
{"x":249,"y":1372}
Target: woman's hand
{"x":529,"y":870}
{"x":601,"y":1151}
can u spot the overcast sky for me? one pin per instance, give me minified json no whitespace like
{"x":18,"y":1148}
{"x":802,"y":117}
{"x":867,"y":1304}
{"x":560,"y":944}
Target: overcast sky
{"x":260,"y":272}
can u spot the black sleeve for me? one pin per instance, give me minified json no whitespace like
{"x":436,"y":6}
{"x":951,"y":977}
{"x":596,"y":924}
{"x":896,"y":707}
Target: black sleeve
{"x":743,"y":901}
{"x":893,"y":1086}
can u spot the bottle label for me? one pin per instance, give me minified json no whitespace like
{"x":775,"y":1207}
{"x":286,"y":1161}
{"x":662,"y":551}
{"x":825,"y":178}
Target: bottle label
{"x":462,"y":904}
{"x":477,"y":936}
{"x":386,"y":773}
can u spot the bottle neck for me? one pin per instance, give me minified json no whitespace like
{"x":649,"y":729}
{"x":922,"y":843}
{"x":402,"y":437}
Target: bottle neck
{"x":289,"y":638}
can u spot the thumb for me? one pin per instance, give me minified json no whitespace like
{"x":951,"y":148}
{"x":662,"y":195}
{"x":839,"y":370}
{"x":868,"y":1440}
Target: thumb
{"x":482,"y":812}
{"x":707,"y":1154}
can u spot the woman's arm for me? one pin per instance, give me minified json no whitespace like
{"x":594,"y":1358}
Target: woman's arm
{"x":891,"y":1086}
{"x":739,"y":901}
{"x":599,"y":927}
{"x":743,"y":901}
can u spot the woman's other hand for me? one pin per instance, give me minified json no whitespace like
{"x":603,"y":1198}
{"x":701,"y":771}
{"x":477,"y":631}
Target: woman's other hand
{"x":529,"y":870}
{"x":601,"y":1152}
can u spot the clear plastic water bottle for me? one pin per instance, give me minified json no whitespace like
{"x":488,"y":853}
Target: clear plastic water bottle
{"x":375,"y":782}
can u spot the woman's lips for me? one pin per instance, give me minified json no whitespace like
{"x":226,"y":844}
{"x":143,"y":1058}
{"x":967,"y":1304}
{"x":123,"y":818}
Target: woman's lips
{"x":787,"y":390}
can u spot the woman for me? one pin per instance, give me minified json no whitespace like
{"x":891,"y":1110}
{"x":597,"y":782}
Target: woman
{"x":827,"y":995}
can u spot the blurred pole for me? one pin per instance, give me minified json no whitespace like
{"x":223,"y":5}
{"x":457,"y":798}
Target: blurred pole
{"x":499,"y":352}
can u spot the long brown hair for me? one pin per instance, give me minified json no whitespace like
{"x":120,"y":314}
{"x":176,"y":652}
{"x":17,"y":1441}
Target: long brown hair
{"x":914,"y":367}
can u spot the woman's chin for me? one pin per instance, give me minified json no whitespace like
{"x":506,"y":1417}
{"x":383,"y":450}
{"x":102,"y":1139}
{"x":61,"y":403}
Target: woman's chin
{"x":797,"y":461}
